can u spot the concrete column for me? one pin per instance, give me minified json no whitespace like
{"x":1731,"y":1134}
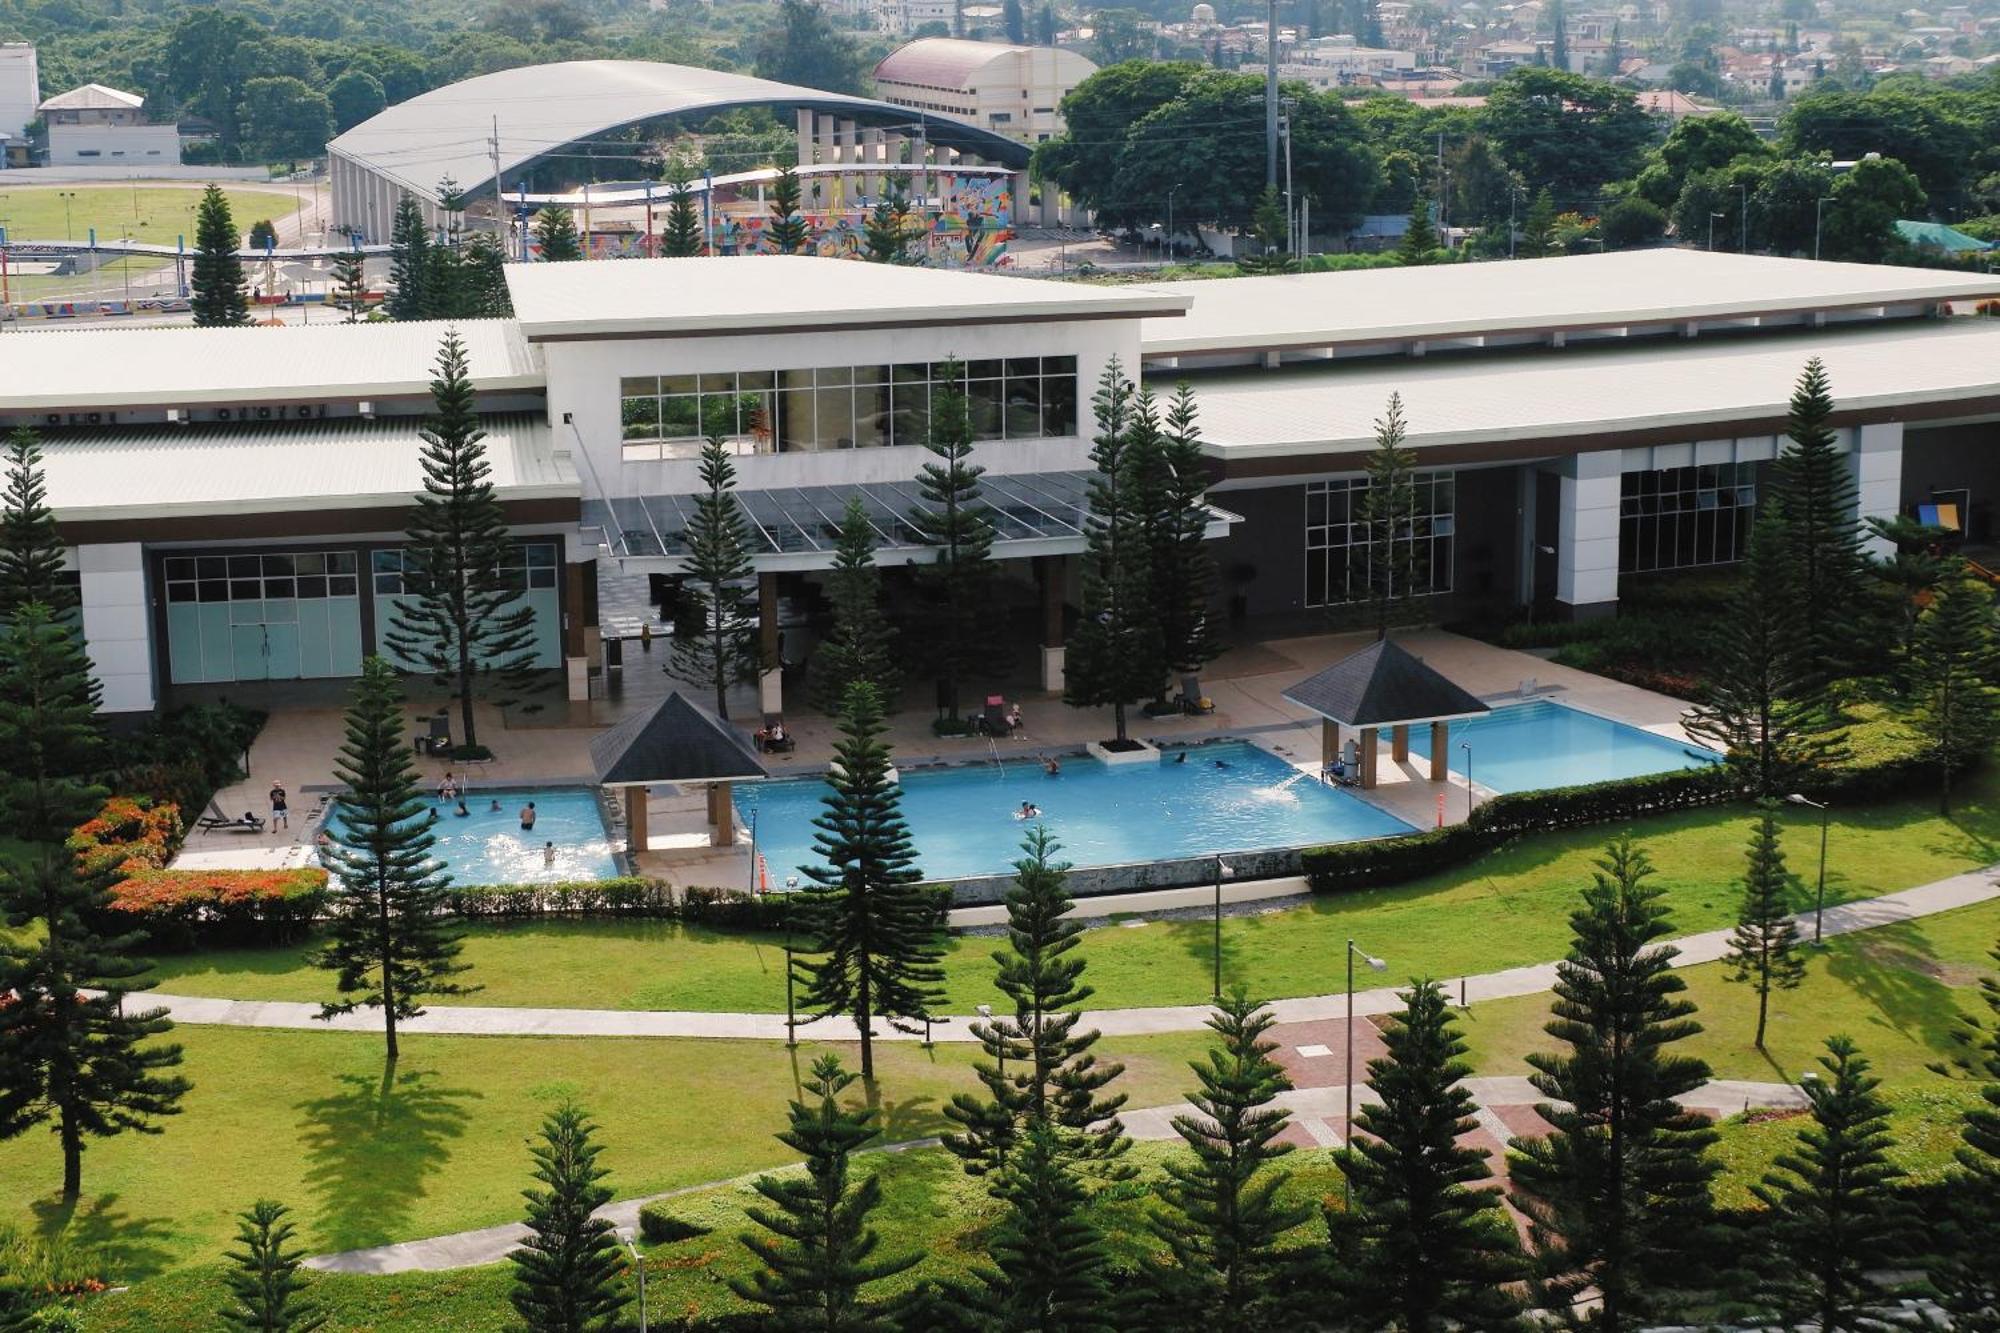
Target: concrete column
{"x":1017,"y":214}
{"x":1329,"y":743}
{"x":874,"y":151}
{"x":117,"y":634}
{"x":804,"y":122}
{"x":636,"y":831}
{"x":1049,"y":574}
{"x":771,"y":678}
{"x":722,"y":814}
{"x":1371,"y":745}
{"x":1440,"y":744}
{"x":1876,"y":463}
{"x":1587,"y":547}
{"x":1400,"y":743}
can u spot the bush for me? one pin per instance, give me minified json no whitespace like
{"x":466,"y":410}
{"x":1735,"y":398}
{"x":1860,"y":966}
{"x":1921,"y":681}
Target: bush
{"x":191,"y":909}
{"x":951,"y":726}
{"x":1632,"y":221}
{"x":186,"y":755}
{"x":129,"y":835}
{"x":635,"y":896}
{"x":660,"y":1226}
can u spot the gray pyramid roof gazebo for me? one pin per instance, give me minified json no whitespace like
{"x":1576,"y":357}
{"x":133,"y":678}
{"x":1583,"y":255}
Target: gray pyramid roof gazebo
{"x":674,"y":743}
{"x":1384,"y":685}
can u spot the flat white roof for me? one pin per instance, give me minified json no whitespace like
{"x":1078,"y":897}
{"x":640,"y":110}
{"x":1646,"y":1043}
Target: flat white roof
{"x":782,"y":293}
{"x":1458,"y":300}
{"x":1549,"y":394}
{"x":51,"y":369}
{"x":178,"y":471}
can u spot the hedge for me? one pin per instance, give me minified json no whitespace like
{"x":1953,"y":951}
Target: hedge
{"x":192,"y":909}
{"x":661,"y":1226}
{"x":128,"y":836}
{"x":636,"y":896}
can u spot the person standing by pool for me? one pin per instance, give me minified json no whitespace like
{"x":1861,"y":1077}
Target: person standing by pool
{"x":548,"y":855}
{"x":281,"y":814}
{"x":528,"y":817}
{"x":448,"y":789}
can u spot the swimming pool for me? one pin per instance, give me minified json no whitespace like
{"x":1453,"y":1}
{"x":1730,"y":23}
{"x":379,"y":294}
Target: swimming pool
{"x":1227,"y":797}
{"x":489,"y":847}
{"x":1528,"y":747}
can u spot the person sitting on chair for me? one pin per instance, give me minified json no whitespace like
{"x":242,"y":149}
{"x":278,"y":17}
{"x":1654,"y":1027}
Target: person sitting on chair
{"x":1014,"y":722}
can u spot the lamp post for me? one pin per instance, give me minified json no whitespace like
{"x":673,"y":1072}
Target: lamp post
{"x":1347,"y":1121}
{"x":1818,"y":204}
{"x":639,"y":1266}
{"x":1222,"y":872}
{"x":1743,"y":218}
{"x":1819,"y":904}
{"x":1467,"y":747}
{"x":69,"y":233}
{"x":1711,"y":231}
{"x":1170,"y":215}
{"x":791,"y":1022}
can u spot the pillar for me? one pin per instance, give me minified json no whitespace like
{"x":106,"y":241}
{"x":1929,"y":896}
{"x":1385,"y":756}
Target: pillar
{"x":1329,"y":743}
{"x":1049,"y":573}
{"x":636,"y":832}
{"x":875,"y":151}
{"x":771,"y":675}
{"x":117,"y":629}
{"x":1440,"y":745}
{"x":1587,"y":544}
{"x":1371,"y":744}
{"x":1400,"y":743}
{"x":722,"y":815}
{"x":1017,"y":212}
{"x":1876,"y":464}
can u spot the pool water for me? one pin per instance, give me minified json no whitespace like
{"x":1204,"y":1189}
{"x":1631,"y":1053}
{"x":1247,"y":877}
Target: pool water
{"x":489,"y":847}
{"x":963,"y":822}
{"x":1528,"y":747}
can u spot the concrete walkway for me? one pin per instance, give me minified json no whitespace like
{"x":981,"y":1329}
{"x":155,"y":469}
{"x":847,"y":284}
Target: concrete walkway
{"x":469,"y":1020}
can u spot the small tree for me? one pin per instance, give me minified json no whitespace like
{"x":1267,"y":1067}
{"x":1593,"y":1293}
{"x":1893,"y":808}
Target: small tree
{"x":1419,"y":244}
{"x":1183,"y":569}
{"x":860,"y":645}
{"x":48,"y":728}
{"x":1039,"y":1070}
{"x":886,"y":236}
{"x":1538,"y":229}
{"x":1950,"y":664}
{"x":568,"y":1274}
{"x":1832,"y":1218}
{"x":818,"y":1260}
{"x":953,"y":522}
{"x":1816,"y":502}
{"x":221,"y":294}
{"x":1050,"y":1261}
{"x":390,"y":940}
{"x":1430,"y":1247}
{"x":875,"y":930}
{"x":715,"y":639}
{"x":1389,"y":515}
{"x":350,"y":287}
{"x":682,"y":238}
{"x":409,"y":262}
{"x":483,"y":276}
{"x":1764,"y":947}
{"x":556,"y":236}
{"x":264,"y":1280}
{"x":462,"y":614}
{"x":1967,"y":1280}
{"x":1273,"y":232}
{"x":1115,"y":655}
{"x":31,"y":552}
{"x":787,"y":229}
{"x":263,"y":236}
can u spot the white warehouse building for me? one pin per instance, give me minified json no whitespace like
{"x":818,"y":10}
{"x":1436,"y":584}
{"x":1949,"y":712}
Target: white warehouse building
{"x":1013,"y":90}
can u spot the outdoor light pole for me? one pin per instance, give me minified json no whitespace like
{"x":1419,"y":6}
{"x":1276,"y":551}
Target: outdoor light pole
{"x":1222,"y":872}
{"x":1347,"y":1122}
{"x":1170,"y":215}
{"x":1818,"y":204}
{"x":639,"y":1265}
{"x":1711,"y":231}
{"x":791,"y":1023}
{"x":1743,"y":218}
{"x":1467,"y":747}
{"x":1819,"y":904}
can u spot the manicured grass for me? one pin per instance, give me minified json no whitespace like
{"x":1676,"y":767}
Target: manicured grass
{"x":153,"y":213}
{"x":305,"y":1118}
{"x":1509,"y":908}
{"x":1924,"y":1123}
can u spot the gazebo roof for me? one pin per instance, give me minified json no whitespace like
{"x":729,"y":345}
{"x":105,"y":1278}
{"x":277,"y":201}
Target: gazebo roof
{"x":1383,"y":685}
{"x":674,"y":742}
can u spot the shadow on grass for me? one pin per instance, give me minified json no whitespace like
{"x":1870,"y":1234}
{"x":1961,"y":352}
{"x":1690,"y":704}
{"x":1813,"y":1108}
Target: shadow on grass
{"x":372,"y":1146}
{"x":1894,"y":970}
{"x":131,"y":1248}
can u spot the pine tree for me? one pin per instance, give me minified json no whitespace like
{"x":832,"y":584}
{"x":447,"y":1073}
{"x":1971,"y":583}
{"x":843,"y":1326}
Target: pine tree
{"x":1389,"y":515}
{"x":1817,"y":501}
{"x":1039,"y":1070}
{"x":1051,"y":1266}
{"x":1183,"y":569}
{"x":1950,"y":664}
{"x":483,"y":265}
{"x":264,"y":1281}
{"x":819,"y":1259}
{"x":1420,"y":239}
{"x":1767,"y":708}
{"x":1538,"y":229}
{"x":715,"y":639}
{"x":1045,"y":25}
{"x":350,"y":287}
{"x":31,"y":552}
{"x":1431,"y":1246}
{"x":954,"y":522}
{"x":1273,"y":232}
{"x":1833,"y":1219}
{"x":221,"y":294}
{"x":409,"y":262}
{"x":1221,"y":1220}
{"x":1015,"y":22}
{"x":787,"y":229}
{"x":885,"y":235}
{"x":1764,"y":947}
{"x":48,"y":728}
{"x":389,"y":938}
{"x":568,"y":1274}
{"x":860,"y":646}
{"x":1963,"y":1271}
{"x":556,"y":236}
{"x":682,"y":238}
{"x":1617,"y":1196}
{"x":462,"y":615}
{"x":1116,"y":654}
{"x":875,"y":930}
{"x":1559,"y":39}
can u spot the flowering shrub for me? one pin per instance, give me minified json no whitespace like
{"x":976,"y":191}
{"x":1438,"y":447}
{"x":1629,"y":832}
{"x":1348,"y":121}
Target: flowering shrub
{"x":187,"y":909}
{"x":127,"y":836}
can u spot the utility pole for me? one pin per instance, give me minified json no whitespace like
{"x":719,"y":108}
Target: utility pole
{"x":1271,"y":94}
{"x":499,"y":193}
{"x":1291,"y":212}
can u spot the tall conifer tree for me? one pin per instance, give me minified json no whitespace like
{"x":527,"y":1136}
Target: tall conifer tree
{"x":715,"y":639}
{"x":350,"y":288}
{"x":861,"y":645}
{"x":221,"y":295}
{"x":31,"y":552}
{"x":787,"y":229}
{"x":264,"y":1284}
{"x":409,"y":262}
{"x":1951,"y":662}
{"x":48,"y":728}
{"x":875,"y":932}
{"x":557,"y":237}
{"x":1183,"y":569}
{"x":1617,"y":1196}
{"x":568,"y":1273}
{"x":682,"y":237}
{"x":1420,"y":239}
{"x":390,"y":940}
{"x":1389,"y":515}
{"x":885,"y":235}
{"x":1817,"y":502}
{"x":954,"y":522}
{"x":1050,"y":1264}
{"x":462,"y":614}
{"x":1764,"y":947}
{"x":1967,"y":1279}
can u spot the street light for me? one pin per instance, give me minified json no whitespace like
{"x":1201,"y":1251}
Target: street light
{"x":1467,"y":747}
{"x":791,"y":1022}
{"x":639,"y":1265}
{"x":1222,"y":872}
{"x":1743,"y":217}
{"x":1711,"y":231}
{"x":1818,"y":204}
{"x":1819,"y":906}
{"x":1170,"y":215}
{"x":1347,"y":1123}
{"x":66,"y":195}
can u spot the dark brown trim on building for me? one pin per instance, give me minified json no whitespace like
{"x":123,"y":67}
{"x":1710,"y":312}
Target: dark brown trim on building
{"x":283,"y":524}
{"x":849,"y":326}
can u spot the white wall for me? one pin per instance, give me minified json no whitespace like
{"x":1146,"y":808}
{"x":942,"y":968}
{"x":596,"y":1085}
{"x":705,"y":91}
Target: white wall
{"x":117,"y":627}
{"x":20,"y":88}
{"x":114,"y":145}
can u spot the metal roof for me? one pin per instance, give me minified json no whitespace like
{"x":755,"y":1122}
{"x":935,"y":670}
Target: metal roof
{"x":786,"y":293}
{"x":953,"y":62}
{"x":93,"y":97}
{"x":1383,"y":685}
{"x":672,"y":742}
{"x":541,"y":108}
{"x":347,"y":463}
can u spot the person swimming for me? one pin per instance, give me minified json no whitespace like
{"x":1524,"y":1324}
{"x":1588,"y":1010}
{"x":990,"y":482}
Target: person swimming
{"x":1051,"y":766}
{"x":494,"y":808}
{"x":463,"y":810}
{"x":1222,"y":763}
{"x":1028,"y":810}
{"x":548,"y":854}
{"x":1180,"y":757}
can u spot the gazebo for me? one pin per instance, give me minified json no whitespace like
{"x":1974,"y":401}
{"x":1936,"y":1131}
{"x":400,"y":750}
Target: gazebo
{"x":1384,"y":686}
{"x":674,"y":743}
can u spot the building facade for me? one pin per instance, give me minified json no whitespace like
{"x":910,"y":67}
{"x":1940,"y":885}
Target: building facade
{"x":20,"y":88}
{"x":99,"y":126}
{"x":1011,"y":90}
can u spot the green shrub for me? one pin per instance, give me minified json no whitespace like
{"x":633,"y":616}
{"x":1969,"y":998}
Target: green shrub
{"x":659,"y":1225}
{"x":951,"y":726}
{"x":634,"y":896}
{"x":190,"y":909}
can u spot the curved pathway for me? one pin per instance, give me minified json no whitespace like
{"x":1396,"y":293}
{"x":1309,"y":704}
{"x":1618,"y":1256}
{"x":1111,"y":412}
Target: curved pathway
{"x":1943,"y":895}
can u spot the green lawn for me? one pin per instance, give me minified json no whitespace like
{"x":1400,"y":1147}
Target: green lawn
{"x":155,"y":213}
{"x":1508,"y":908}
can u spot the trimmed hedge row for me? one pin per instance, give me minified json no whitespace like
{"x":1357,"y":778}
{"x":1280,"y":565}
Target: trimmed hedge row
{"x":634,"y":896}
{"x":179,"y":910}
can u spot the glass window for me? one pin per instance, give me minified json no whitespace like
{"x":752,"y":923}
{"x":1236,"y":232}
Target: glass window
{"x":641,"y":417}
{"x":983,"y":402}
{"x":1682,"y":518}
{"x":639,"y":386}
{"x":1337,"y":539}
{"x":180,"y":567}
{"x":679,"y":384}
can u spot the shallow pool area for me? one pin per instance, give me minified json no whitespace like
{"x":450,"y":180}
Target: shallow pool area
{"x":488,"y":846}
{"x":1532,"y":746}
{"x":1226,"y":797}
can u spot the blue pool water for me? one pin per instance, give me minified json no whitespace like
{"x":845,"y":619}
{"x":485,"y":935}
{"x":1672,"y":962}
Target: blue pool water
{"x":488,"y":847}
{"x":1527,"y":747}
{"x":962,"y":819}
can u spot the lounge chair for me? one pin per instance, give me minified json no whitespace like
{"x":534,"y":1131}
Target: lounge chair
{"x":214,"y":820}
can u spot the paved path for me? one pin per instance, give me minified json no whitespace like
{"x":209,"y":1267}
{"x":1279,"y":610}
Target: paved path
{"x":471,"y":1020}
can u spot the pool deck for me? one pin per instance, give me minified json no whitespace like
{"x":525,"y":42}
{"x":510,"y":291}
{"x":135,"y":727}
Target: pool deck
{"x":301,"y":742}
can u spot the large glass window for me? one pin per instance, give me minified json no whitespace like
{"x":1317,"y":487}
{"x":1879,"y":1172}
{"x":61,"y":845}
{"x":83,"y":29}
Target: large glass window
{"x":1685,"y":517}
{"x":1337,"y":538}
{"x":841,"y":407}
{"x":307,"y":575}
